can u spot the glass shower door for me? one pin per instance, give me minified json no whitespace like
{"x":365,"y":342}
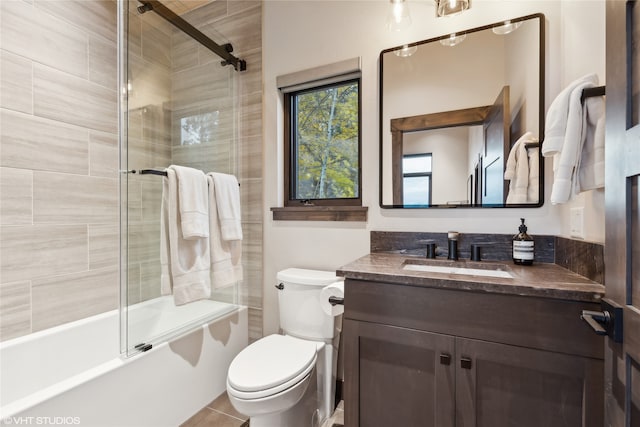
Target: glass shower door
{"x":179,"y":107}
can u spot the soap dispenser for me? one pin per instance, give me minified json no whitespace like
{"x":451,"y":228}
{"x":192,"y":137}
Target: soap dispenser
{"x":523,"y":246}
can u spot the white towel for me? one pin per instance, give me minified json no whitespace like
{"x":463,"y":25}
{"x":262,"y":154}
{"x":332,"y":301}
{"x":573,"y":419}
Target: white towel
{"x":226,"y":267}
{"x":228,"y":204}
{"x":192,"y":200}
{"x":567,"y":160}
{"x":591,"y":169}
{"x":185,"y":264}
{"x":557,"y":116}
{"x":518,"y":171}
{"x":533,"y":190}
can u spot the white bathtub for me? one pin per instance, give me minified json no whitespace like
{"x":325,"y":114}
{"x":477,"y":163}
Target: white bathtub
{"x":73,"y":374}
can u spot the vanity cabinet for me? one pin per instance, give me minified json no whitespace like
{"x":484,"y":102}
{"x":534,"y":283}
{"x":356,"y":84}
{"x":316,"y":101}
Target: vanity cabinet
{"x":420,"y":356}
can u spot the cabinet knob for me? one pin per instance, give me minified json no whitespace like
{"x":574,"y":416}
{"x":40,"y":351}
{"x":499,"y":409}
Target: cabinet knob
{"x":445,"y":359}
{"x":465,"y":363}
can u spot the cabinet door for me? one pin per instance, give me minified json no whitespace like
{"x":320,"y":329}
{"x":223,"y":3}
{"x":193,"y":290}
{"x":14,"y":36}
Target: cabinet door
{"x":503,"y":385}
{"x":397,"y":376}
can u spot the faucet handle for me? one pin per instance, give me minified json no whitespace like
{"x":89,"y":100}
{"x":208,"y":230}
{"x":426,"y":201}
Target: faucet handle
{"x":431,"y":250}
{"x":475,"y":252}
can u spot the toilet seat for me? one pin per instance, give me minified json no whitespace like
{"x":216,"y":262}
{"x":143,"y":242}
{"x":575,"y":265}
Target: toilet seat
{"x":270,"y":365}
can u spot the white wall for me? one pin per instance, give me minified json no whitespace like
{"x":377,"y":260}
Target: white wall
{"x":306,"y":33}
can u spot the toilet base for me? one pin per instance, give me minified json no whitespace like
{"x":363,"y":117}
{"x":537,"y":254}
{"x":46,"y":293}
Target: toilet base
{"x":305,"y":413}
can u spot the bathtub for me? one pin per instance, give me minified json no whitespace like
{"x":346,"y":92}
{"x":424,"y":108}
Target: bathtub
{"x":74,"y":374}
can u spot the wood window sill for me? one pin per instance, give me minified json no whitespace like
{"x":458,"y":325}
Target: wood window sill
{"x":320,"y":213}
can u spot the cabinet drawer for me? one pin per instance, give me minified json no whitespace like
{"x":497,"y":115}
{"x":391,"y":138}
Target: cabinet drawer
{"x":541,"y":323}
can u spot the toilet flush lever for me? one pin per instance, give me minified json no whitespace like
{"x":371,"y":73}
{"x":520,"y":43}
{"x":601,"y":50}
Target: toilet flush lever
{"x":280,"y":286}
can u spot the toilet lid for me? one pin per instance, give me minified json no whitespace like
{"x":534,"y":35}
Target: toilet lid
{"x":270,"y":362}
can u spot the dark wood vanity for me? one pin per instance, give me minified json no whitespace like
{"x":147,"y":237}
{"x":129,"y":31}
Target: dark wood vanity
{"x":437,"y":349}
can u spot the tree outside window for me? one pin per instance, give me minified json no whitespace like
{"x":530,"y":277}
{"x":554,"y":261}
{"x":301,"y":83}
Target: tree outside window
{"x":324,"y":144}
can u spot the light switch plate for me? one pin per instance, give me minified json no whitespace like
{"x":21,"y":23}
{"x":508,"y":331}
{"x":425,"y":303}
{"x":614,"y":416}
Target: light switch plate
{"x":577,"y":222}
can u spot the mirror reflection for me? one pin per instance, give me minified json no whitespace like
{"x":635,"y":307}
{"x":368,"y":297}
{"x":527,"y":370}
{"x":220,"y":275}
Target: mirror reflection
{"x":461,"y":116}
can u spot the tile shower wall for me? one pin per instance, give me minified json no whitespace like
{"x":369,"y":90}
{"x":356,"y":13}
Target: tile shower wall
{"x":59,"y":201}
{"x":58,"y":163}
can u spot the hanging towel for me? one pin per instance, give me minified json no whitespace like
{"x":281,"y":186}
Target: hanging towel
{"x":518,"y":170}
{"x":533,"y":190}
{"x":192,"y":201}
{"x":185,"y":264}
{"x":557,"y":116}
{"x":567,"y":160}
{"x":591,"y":169}
{"x":228,"y":204}
{"x":226,"y":267}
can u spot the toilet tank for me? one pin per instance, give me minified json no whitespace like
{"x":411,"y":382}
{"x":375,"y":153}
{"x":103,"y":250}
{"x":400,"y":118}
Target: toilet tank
{"x":299,"y":304}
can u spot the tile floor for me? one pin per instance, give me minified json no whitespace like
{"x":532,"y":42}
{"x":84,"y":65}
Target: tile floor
{"x":220,"y":413}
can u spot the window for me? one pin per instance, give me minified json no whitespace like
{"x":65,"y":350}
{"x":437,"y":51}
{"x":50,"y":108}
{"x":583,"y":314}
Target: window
{"x":416,"y":177}
{"x":322,"y":145}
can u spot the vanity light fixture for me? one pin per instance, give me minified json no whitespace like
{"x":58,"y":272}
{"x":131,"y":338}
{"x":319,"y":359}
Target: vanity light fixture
{"x":506,"y":28}
{"x":453,"y":39}
{"x":405,"y":51}
{"x":451,"y":7}
{"x":398,"y":18}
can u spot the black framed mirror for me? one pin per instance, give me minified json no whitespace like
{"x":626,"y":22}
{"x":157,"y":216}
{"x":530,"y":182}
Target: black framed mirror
{"x":462,"y":118}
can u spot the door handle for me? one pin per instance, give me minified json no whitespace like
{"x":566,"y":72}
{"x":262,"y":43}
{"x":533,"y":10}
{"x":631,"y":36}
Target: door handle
{"x":606,"y":322}
{"x":465,"y":363}
{"x":596,"y":319}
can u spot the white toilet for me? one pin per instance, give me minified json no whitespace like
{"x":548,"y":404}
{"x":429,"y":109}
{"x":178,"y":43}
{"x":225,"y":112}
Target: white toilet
{"x":289,"y":380}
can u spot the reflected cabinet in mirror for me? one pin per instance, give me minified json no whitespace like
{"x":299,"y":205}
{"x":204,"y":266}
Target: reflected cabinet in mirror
{"x":462,"y":117}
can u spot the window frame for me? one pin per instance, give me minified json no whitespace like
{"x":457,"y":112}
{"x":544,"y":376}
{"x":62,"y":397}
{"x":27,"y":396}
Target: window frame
{"x":419,"y":174}
{"x":290,"y":150}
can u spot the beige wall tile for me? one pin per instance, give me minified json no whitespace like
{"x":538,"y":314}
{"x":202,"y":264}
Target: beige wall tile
{"x":251,"y":114}
{"x":184,"y":51}
{"x":243,"y":30}
{"x":61,"y":299}
{"x":60,"y":96}
{"x":135,"y":30}
{"x":147,"y":155}
{"x":103,"y":154}
{"x":94,"y":16}
{"x":255,"y":324}
{"x":29,"y":32}
{"x":208,"y":158}
{"x":250,"y":152}
{"x":195,"y":87}
{"x":133,"y":283}
{"x":103,"y":60}
{"x":15,"y":309}
{"x":156,"y":45}
{"x":72,"y":199}
{"x":212,"y":12}
{"x":15,"y":82}
{"x":149,"y":280}
{"x":144,"y":241}
{"x":16,"y":196}
{"x":151,"y":198}
{"x":251,"y":200}
{"x":250,"y":81}
{"x":150,"y":84}
{"x":30,"y":142}
{"x":104,"y":246}
{"x":33,"y":251}
{"x":239,"y":6}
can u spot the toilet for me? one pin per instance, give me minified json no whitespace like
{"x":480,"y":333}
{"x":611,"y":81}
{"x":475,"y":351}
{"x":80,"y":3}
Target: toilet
{"x":289,"y":380}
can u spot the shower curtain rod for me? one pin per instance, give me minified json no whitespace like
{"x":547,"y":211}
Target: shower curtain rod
{"x":223,"y":51}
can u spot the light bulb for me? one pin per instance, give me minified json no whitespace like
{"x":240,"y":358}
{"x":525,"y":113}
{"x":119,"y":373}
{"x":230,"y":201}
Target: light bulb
{"x":398,"y":18}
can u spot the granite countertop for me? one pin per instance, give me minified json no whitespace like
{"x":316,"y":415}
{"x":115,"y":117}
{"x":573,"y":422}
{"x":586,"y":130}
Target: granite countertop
{"x":539,"y":280}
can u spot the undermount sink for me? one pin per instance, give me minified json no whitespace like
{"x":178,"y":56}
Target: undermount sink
{"x":492,"y":270}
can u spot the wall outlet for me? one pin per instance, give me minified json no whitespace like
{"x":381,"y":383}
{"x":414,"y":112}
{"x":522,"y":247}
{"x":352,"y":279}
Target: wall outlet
{"x":577,"y":222}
